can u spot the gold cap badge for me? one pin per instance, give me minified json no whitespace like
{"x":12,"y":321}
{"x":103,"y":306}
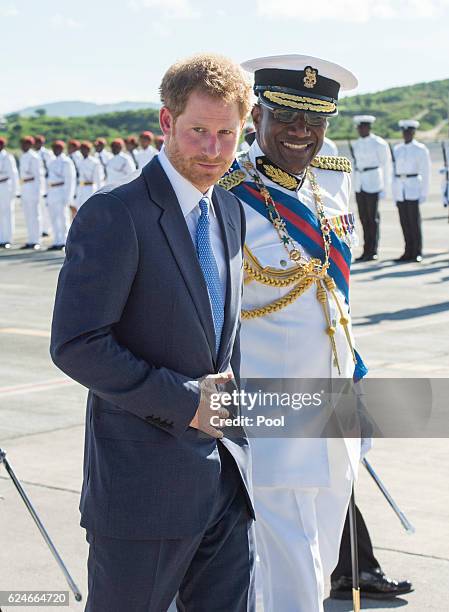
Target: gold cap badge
{"x":310,"y":77}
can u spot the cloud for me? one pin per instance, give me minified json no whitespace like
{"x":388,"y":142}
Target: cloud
{"x":351,"y":10}
{"x":60,"y":21}
{"x":9,"y":11}
{"x":171,"y":9}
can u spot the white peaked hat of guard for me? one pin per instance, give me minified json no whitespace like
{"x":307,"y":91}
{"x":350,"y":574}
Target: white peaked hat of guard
{"x":358,"y":119}
{"x":408,"y":123}
{"x":299,"y":82}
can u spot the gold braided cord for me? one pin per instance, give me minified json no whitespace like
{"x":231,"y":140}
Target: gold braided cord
{"x":282,"y":302}
{"x":300,"y":102}
{"x":332,"y":162}
{"x":275,"y":277}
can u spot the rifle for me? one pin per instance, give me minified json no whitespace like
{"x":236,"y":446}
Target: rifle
{"x":393,"y":159}
{"x":351,"y":151}
{"x":446,"y":168}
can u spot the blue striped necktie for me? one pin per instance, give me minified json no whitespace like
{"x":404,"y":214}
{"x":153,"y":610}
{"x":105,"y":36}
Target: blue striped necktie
{"x":210,"y":269}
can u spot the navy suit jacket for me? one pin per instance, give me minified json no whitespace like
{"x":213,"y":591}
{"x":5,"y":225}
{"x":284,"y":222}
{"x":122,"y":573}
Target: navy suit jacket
{"x":132,"y":322}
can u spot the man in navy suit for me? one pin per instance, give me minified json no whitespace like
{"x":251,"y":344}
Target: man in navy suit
{"x":147,"y":318}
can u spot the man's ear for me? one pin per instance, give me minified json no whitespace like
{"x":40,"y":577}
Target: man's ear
{"x":256,"y":114}
{"x":166,"y":121}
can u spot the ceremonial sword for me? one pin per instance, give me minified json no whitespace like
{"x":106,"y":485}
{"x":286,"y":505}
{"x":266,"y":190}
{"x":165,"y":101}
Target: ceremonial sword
{"x":401,"y":516}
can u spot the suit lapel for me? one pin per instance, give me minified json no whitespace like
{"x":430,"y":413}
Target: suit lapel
{"x":228,"y":233}
{"x":178,"y":237}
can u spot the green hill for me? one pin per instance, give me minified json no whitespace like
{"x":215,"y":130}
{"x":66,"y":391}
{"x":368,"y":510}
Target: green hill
{"x":427,"y":102}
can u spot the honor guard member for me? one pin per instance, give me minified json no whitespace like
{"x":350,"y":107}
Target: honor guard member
{"x":31,"y":180}
{"x":120,"y":167}
{"x":147,"y":151}
{"x":372,"y":174}
{"x":9,"y":183}
{"x":131,"y":144}
{"x":90,"y":177}
{"x":46,"y":156}
{"x":61,"y":184}
{"x":159,"y":142}
{"x":294,"y":325}
{"x":410,"y":187}
{"x":74,"y":153}
{"x":102,"y":154}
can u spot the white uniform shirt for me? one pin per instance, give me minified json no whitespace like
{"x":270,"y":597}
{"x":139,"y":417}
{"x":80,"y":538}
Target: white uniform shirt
{"x":189,"y":198}
{"x":90,"y":178}
{"x":8,"y":171}
{"x":31,"y":174}
{"x":76,"y":158}
{"x":46,"y":157}
{"x":292,"y":343}
{"x":143,"y":156}
{"x":411,"y":158}
{"x":371,"y":152}
{"x":103,"y":158}
{"x":61,"y":170}
{"x":329,"y":147}
{"x":119,"y":168}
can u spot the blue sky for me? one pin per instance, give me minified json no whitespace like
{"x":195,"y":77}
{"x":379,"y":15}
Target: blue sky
{"x":109,"y":50}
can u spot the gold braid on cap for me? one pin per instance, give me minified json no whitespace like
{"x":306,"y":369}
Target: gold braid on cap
{"x":300,"y":102}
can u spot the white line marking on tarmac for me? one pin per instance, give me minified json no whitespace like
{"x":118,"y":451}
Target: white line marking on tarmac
{"x":22,"y":331}
{"x":36,"y":387}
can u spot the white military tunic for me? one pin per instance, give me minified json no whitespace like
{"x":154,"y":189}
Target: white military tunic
{"x":143,"y":156}
{"x":119,"y":168}
{"x":302,"y":485}
{"x":61,"y":183}
{"x":371,"y":152}
{"x":90,"y":179}
{"x":9,"y":184}
{"x":46,"y":157}
{"x":103,"y":157}
{"x":411,"y":158}
{"x":31,"y":179}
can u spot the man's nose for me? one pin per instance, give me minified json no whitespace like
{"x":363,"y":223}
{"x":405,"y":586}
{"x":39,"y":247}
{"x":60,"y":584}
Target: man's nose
{"x":212,"y":146}
{"x":299,"y":128}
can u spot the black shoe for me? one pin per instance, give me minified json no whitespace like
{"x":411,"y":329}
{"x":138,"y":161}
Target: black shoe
{"x":31,"y":245}
{"x":45,"y":235}
{"x":5,"y":245}
{"x":404,"y":257}
{"x":361,"y":258}
{"x":373,"y":585}
{"x":372,"y":257}
{"x":56,"y":247}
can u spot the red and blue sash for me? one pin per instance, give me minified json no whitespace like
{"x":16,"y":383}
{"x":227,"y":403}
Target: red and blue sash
{"x":304,"y":227}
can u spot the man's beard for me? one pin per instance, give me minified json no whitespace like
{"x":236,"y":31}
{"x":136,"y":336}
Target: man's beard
{"x":187,"y":166}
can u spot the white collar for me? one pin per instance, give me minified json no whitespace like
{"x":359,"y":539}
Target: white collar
{"x":188,"y":195}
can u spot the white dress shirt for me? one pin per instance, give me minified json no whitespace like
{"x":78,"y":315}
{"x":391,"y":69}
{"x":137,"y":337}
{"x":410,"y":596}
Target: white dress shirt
{"x":411,"y":158}
{"x":61,"y":180}
{"x":189,"y":198}
{"x":371,"y":152}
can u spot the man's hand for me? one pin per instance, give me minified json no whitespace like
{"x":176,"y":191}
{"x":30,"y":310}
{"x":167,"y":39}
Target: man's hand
{"x":204,"y":413}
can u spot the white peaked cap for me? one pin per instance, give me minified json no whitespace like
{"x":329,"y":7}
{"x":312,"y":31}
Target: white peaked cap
{"x":296,"y":62}
{"x":358,"y":119}
{"x":408,"y":123}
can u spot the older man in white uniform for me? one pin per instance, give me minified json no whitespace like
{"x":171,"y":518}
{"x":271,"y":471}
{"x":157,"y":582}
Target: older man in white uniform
{"x":372,"y":170}
{"x":9,"y":181}
{"x":410,"y":187}
{"x":296,"y":322}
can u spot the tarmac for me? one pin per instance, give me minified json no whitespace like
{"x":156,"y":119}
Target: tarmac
{"x":400,"y":318}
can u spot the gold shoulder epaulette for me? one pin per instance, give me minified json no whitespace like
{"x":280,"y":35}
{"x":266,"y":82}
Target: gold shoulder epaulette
{"x":332,"y":162}
{"x":228,"y":181}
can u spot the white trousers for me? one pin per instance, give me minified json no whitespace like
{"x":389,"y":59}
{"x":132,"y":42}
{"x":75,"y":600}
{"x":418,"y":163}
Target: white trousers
{"x":45,"y":216}
{"x":7,"y":216}
{"x":59,"y":216}
{"x":30,"y":204}
{"x":298,"y":534}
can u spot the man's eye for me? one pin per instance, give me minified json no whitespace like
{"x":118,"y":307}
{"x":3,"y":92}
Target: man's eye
{"x":227,"y":132}
{"x":199,"y":130}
